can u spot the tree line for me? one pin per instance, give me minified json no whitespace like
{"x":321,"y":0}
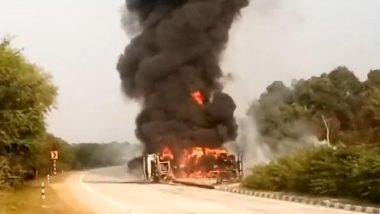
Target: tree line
{"x":335,"y":107}
{"x":92,"y":155}
{"x":81,"y":156}
{"x":336,"y":102}
{"x":27,"y":94}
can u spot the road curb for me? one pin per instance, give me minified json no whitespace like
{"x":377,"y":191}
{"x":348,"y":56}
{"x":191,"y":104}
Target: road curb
{"x":186,"y":183}
{"x":303,"y":200}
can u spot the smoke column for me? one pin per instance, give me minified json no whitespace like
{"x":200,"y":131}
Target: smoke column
{"x":172,"y":68}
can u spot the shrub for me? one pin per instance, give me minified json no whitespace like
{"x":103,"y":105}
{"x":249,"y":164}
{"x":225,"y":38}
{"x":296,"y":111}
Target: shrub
{"x":341,"y":172}
{"x":10,"y":175}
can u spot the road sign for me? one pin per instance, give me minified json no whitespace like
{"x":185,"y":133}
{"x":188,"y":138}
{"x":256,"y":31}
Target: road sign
{"x":54,"y":155}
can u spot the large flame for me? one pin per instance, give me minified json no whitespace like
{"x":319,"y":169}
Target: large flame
{"x":197,"y":162}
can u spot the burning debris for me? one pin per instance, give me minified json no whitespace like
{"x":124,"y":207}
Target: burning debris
{"x":172,"y":67}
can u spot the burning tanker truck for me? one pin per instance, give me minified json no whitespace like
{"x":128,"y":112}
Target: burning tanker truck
{"x":196,"y":162}
{"x":172,"y":68}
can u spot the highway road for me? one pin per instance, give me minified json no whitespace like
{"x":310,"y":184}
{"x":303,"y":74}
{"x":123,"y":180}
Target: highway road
{"x":112,"y":191}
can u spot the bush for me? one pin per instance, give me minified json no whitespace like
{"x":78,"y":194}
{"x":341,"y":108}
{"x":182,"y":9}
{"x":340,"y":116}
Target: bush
{"x":10,"y":176}
{"x":340,"y":172}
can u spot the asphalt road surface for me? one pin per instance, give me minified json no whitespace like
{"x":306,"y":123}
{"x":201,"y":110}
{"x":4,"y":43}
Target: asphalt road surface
{"x":112,"y":191}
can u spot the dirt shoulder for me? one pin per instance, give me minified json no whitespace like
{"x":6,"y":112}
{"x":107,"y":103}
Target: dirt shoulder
{"x":28,"y":200}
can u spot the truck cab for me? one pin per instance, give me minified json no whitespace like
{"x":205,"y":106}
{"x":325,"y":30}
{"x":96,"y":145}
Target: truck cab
{"x":155,"y":169}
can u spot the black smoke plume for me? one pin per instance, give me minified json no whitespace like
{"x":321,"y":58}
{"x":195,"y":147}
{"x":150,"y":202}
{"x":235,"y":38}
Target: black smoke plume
{"x":176,"y":54}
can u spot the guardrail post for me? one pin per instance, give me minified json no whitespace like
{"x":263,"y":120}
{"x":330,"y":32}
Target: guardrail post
{"x":43,"y":191}
{"x":55,"y":166}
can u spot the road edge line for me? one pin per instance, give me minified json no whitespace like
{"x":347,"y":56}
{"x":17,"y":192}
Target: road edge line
{"x":99,"y":195}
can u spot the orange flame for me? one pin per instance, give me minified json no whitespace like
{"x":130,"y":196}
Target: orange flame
{"x":167,"y":154}
{"x":198,"y":97}
{"x":197,"y":152}
{"x":191,"y":157}
{"x":215,"y":152}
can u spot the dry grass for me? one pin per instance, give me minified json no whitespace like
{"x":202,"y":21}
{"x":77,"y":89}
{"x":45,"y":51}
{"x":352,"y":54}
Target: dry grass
{"x":27,"y":200}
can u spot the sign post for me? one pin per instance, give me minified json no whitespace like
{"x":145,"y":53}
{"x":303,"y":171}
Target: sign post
{"x":54,"y":157}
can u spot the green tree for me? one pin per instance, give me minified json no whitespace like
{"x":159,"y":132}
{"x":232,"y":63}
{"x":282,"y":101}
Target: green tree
{"x":373,"y":78}
{"x":337,"y":96}
{"x":26,"y":95}
{"x":374,"y":105}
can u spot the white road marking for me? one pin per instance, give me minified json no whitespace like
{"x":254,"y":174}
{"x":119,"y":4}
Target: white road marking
{"x":109,"y":200}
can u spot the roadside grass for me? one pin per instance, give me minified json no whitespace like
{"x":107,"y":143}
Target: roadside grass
{"x":28,"y":200}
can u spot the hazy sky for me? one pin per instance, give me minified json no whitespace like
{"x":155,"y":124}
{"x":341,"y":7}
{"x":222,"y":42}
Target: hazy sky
{"x":78,"y":42}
